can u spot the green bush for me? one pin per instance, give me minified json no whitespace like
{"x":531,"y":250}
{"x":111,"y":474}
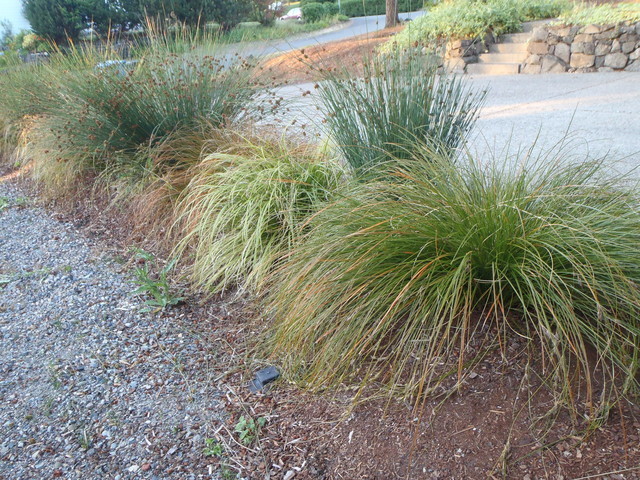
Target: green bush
{"x":537,"y":9}
{"x":360,"y":8}
{"x":305,"y":2}
{"x":601,"y":14}
{"x":402,"y":100}
{"x":243,"y":211}
{"x":410,"y":280}
{"x":475,"y":18}
{"x":313,"y":12}
{"x":330,"y":9}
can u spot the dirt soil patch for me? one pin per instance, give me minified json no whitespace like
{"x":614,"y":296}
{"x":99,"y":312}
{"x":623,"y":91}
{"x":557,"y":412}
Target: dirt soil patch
{"x":309,"y":64}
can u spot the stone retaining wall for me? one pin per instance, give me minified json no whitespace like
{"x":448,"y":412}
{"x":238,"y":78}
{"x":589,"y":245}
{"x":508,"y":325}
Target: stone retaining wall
{"x":458,"y":53}
{"x":555,"y":49}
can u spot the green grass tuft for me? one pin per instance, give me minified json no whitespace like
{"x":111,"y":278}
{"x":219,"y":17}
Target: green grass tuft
{"x":406,"y":281}
{"x":243,"y":211}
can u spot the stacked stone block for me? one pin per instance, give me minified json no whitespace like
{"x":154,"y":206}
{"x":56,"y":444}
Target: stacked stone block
{"x":459,"y":53}
{"x":602,"y":48}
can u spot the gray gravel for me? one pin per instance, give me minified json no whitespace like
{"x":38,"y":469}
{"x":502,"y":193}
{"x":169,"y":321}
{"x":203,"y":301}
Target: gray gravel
{"x":89,"y":386}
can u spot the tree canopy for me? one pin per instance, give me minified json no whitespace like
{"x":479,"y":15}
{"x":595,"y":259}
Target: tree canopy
{"x":58,"y":20}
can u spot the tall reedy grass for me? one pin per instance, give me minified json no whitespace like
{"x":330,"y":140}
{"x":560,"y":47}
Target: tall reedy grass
{"x":243,"y":210}
{"x":402,"y":100}
{"x":31,"y":89}
{"x":100,"y":113}
{"x":407,"y":281}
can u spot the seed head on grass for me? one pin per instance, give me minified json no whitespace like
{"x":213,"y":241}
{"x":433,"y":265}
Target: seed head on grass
{"x":396,"y":281}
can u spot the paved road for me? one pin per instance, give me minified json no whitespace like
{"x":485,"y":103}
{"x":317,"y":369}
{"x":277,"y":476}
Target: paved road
{"x":356,"y":26}
{"x":601,"y":112}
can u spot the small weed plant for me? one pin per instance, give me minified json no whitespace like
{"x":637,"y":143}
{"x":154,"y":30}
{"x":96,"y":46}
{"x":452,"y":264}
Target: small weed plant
{"x":403,"y":281}
{"x":157,"y":287}
{"x":6,"y":202}
{"x":248,"y":429}
{"x":213,"y":448}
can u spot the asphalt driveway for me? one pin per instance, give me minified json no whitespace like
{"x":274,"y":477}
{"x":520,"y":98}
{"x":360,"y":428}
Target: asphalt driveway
{"x":600,"y":112}
{"x":355,"y":26}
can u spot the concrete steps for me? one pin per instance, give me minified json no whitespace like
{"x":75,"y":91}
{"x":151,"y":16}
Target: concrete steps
{"x":515,"y":37}
{"x":508,"y":48}
{"x":500,"y":58}
{"x":493,"y":68}
{"x":506,"y":56}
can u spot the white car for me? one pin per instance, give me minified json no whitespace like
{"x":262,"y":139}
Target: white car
{"x":293,"y":14}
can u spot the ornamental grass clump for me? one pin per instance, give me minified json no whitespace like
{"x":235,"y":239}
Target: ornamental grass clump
{"x":116,"y":111}
{"x":407,"y":281}
{"x":243,"y":210}
{"x":100,"y":113}
{"x":402,"y":100}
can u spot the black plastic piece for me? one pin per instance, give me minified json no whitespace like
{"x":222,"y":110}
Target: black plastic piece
{"x":263,"y":377}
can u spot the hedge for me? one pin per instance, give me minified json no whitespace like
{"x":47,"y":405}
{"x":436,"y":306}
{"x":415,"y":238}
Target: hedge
{"x":360,"y":8}
{"x":314,"y":11}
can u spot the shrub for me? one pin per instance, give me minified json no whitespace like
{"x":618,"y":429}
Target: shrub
{"x":475,"y":18}
{"x":402,"y":100}
{"x":536,"y":9}
{"x":330,"y":9}
{"x":57,"y":20}
{"x":242,"y":212}
{"x":601,"y":14}
{"x":408,"y":280}
{"x":360,"y":8}
{"x":312,"y":12}
{"x":34,"y":43}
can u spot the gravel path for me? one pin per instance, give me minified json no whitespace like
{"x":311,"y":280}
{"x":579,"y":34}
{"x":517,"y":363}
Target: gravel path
{"x":89,"y":386}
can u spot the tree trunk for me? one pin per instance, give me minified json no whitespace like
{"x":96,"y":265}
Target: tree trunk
{"x":391,"y":14}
